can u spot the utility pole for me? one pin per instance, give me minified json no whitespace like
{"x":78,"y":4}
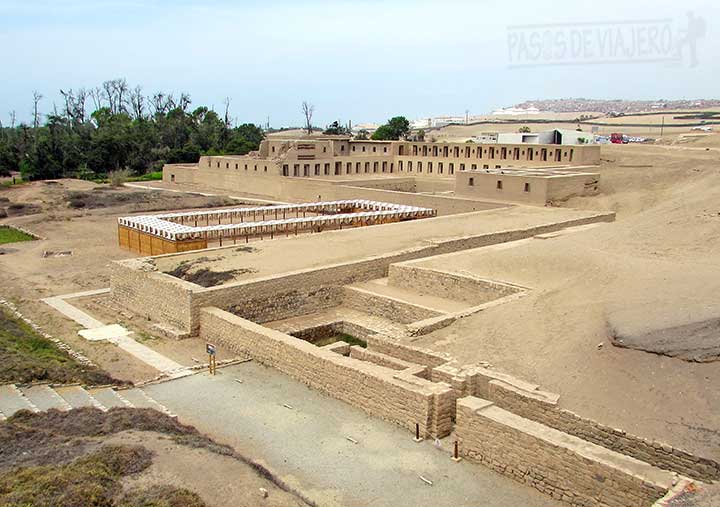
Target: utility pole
{"x":662,"y":127}
{"x":467,"y":116}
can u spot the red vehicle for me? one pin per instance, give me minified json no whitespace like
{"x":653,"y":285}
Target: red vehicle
{"x":618,"y":138}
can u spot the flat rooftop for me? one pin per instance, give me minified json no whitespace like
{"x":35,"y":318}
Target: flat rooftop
{"x":549,"y":172}
{"x":174,"y":226}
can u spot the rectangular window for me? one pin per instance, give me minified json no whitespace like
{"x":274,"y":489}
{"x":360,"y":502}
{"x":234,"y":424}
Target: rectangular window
{"x":527,"y":187}
{"x":499,"y":185}
{"x":471,"y":182}
{"x":317,"y":169}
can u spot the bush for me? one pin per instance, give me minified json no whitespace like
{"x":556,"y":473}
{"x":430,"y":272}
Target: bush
{"x":117,"y":178}
{"x":92,"y":480}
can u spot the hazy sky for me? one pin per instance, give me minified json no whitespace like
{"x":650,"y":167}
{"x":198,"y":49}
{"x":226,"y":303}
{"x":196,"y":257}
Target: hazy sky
{"x":359,"y":60}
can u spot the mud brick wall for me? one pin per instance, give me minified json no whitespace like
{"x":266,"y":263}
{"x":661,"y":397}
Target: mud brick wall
{"x":393,"y":363}
{"x":386,"y":307}
{"x":386,"y":345}
{"x":473,"y":290}
{"x":402,"y":399}
{"x":288,"y":304}
{"x":554,"y":463}
{"x":550,"y":414}
{"x":306,"y":281}
{"x":152,"y":295}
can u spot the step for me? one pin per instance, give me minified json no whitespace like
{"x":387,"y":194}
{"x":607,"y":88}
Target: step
{"x":78,"y":397}
{"x":109,"y":398}
{"x":381,"y":288}
{"x":140,"y":399}
{"x":45,"y":397}
{"x":12,"y":400}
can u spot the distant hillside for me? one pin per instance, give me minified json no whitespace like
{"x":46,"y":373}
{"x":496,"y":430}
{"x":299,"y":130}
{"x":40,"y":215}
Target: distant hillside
{"x":571,"y":105}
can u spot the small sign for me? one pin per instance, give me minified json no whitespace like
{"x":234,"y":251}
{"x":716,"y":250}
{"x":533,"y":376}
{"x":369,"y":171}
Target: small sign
{"x":210,"y":348}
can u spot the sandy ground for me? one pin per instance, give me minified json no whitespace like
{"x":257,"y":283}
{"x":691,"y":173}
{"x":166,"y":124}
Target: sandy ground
{"x":654,"y":268}
{"x":91,"y":235}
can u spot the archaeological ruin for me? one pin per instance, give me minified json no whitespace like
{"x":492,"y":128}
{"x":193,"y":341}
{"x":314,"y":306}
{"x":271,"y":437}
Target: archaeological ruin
{"x":343,"y":320}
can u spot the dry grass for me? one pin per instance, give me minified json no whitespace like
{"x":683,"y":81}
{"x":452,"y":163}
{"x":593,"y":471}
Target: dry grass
{"x":56,"y":438}
{"x":26,"y":357}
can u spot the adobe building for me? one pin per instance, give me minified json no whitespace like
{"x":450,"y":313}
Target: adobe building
{"x":528,"y":186}
{"x":338,"y":158}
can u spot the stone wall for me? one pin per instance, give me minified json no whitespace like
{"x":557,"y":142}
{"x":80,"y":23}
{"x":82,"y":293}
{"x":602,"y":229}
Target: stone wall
{"x":385,"y":306}
{"x":279,"y":306}
{"x":395,"y":396}
{"x":390,"y":347}
{"x":555,"y":463}
{"x":527,"y":400}
{"x":155,"y":296}
{"x":363,"y":354}
{"x":469,"y":289}
{"x":547,"y":412}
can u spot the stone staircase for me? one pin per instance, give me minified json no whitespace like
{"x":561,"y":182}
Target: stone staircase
{"x":41,"y":397}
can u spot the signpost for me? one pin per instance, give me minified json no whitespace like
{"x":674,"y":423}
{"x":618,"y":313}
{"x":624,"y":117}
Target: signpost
{"x":211,"y":351}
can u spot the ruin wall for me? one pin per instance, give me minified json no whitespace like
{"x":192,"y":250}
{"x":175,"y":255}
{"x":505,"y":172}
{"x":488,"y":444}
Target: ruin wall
{"x":554,"y":463}
{"x":391,"y":395}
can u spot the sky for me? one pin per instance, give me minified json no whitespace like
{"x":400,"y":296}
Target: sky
{"x":359,"y":60}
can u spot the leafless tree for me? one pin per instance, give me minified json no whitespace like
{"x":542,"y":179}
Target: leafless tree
{"x":97,"y":97}
{"x":37,"y":97}
{"x":308,"y":110}
{"x":185,"y":101}
{"x":74,"y":109}
{"x":137,"y":103}
{"x":13,"y":117}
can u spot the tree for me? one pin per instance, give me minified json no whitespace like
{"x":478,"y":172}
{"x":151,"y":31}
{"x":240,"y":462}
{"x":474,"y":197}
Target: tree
{"x":37,"y":97}
{"x":126,"y":130}
{"x":335,"y":129}
{"x":396,"y":128}
{"x":362,"y":135}
{"x":524,"y":129}
{"x":308,"y":110}
{"x":420,"y":135}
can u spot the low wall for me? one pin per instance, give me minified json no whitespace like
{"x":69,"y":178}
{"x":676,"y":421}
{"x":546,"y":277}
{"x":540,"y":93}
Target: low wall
{"x":469,"y":289}
{"x":308,"y":190}
{"x":386,"y":307}
{"x":279,"y":306}
{"x":547,"y":412}
{"x":555,"y":463}
{"x":386,"y":345}
{"x":394,"y":396}
{"x":152,"y":295}
{"x":184,"y":312}
{"x":527,"y":400}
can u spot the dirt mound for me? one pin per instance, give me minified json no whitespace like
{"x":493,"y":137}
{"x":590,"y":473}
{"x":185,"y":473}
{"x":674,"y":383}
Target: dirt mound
{"x":191,"y":272}
{"x":107,"y":197}
{"x":698,"y":341}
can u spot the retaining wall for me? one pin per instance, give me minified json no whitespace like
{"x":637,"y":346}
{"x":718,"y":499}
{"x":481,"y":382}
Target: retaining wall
{"x":385,"y":306}
{"x":144,"y":299}
{"x":448,"y":285}
{"x":395,"y":396}
{"x":553,"y":462}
